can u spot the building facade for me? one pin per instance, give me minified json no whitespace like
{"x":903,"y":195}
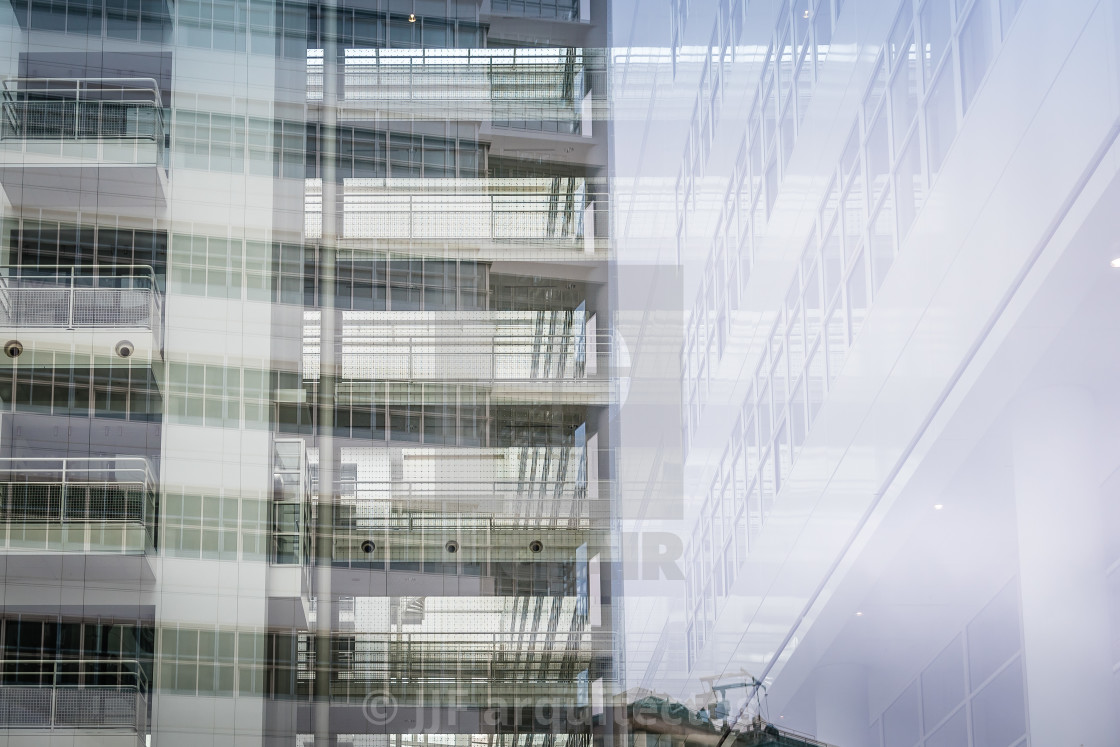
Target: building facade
{"x":471,"y":372}
{"x":307,"y":380}
{"x":890,"y":472}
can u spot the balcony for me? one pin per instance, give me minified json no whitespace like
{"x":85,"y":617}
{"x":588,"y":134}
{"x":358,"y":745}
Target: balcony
{"x":575,"y":11}
{"x":116,"y":312}
{"x":489,"y":214}
{"x":99,"y":506}
{"x":523,"y":356}
{"x":506,"y":87}
{"x":62,"y":139}
{"x":82,"y":701}
{"x":495,"y":502}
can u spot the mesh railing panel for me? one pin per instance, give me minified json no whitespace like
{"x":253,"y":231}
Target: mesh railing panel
{"x":31,"y":501}
{"x":25,"y":706}
{"x":40,"y":307}
{"x":95,"y":706}
{"x":37,"y":119}
{"x":92,"y":307}
{"x":72,"y":502}
{"x":111,"y":307}
{"x":104,"y":503}
{"x":71,"y":119}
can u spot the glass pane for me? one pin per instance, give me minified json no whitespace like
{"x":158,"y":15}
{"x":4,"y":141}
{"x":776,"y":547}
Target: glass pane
{"x":976,"y":49}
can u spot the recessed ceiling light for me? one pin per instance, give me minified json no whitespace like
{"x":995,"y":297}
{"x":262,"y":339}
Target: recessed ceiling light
{"x":1115,"y":262}
{"x":938,"y":506}
{"x":859,"y":614}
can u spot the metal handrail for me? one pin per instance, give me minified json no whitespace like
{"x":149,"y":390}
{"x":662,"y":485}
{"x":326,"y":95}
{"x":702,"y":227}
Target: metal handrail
{"x":80,"y":308}
{"x":125,"y":668}
{"x":469,"y":507}
{"x":92,"y":272}
{"x":84,"y":472}
{"x":80,"y":694}
{"x":541,"y":208}
{"x":82,"y":109}
{"x":20,"y":86}
{"x":491,"y":349}
{"x":508,"y":84}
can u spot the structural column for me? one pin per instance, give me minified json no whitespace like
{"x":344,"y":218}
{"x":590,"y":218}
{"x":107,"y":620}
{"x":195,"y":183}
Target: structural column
{"x":1066,"y":652}
{"x":841,"y":698}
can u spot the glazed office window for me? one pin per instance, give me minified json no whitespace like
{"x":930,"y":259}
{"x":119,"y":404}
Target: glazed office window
{"x":198,"y":661}
{"x":853,"y":214}
{"x":857,"y":295}
{"x":941,"y":116}
{"x":904,"y":92}
{"x":290,"y":149}
{"x":200,"y":526}
{"x":213,"y":395}
{"x":936,"y":31}
{"x":82,"y":17}
{"x":876,"y":91}
{"x":38,"y":636}
{"x":1008,"y":9}
{"x":135,"y":20}
{"x":208,"y":142}
{"x":366,"y":153}
{"x":289,"y":32}
{"x":565,"y":10}
{"x":976,"y":49}
{"x":212,"y":24}
{"x":878,"y":156}
{"x":369,"y":281}
{"x":207,"y":266}
{"x":361,"y":28}
{"x":78,"y":386}
{"x":909,"y":184}
{"x":881,"y":241}
{"x":217,"y":267}
{"x":412,"y":413}
{"x":44,"y":245}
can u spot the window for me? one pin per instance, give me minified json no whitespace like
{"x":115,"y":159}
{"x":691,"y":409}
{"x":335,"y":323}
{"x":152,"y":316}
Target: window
{"x":936,"y":32}
{"x":975,"y":49}
{"x":941,"y":117}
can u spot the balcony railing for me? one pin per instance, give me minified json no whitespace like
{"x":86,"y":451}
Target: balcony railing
{"x":482,"y":346}
{"x":551,"y":210}
{"x":545,"y":357}
{"x":482,"y":505}
{"x":486,"y":84}
{"x":76,"y":109}
{"x":107,"y":492}
{"x":74,"y":694}
{"x":67,"y":298}
{"x":562,"y":10}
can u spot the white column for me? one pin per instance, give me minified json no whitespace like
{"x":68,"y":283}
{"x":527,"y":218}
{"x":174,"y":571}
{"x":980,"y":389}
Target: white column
{"x":1067,"y":662}
{"x":841,"y":699}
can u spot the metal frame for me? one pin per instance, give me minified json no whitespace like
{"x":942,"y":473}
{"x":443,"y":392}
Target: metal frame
{"x":77,"y":109}
{"x":74,"y":694}
{"x":72,"y":299}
